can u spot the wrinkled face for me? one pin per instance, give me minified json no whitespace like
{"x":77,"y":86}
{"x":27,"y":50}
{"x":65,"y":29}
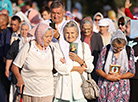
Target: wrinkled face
{"x":70,"y":34}
{"x":87,"y":29}
{"x":117,"y":47}
{"x":15,"y":25}
{"x":47,"y":38}
{"x":24,"y":30}
{"x":97,"y":19}
{"x":57,"y":15}
{"x":103,"y":29}
{"x":122,"y":26}
{"x":128,"y":29}
{"x":45,"y":15}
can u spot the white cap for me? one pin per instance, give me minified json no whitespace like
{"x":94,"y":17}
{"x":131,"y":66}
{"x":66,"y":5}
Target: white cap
{"x":103,"y":22}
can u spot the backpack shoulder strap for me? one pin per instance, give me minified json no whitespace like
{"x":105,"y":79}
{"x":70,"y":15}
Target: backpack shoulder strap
{"x":108,"y":47}
{"x":83,"y":49}
{"x":128,"y":49}
{"x":54,"y":70}
{"x":29,"y":46}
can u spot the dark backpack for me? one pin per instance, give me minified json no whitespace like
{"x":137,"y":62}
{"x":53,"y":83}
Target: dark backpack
{"x":13,"y":78}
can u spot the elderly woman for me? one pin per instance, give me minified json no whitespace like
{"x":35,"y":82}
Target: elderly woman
{"x":78,"y":60}
{"x":93,"y":39}
{"x":115,"y":66}
{"x":36,"y":73}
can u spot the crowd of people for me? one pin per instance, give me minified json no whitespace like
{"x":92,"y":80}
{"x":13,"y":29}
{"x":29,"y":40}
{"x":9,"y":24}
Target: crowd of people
{"x":43,"y":53}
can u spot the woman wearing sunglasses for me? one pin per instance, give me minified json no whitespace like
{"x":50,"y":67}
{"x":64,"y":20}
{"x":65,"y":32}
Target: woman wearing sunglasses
{"x":121,"y":24}
{"x":97,"y":17}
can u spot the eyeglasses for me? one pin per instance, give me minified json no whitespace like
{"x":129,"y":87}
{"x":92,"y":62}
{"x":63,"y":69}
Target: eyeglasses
{"x":116,"y":48}
{"x":121,"y":24}
{"x":97,"y":19}
{"x":86,"y":29}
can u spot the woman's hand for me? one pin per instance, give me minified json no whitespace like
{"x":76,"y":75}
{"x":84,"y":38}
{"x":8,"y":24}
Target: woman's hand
{"x":20,"y":84}
{"x":7,"y":73}
{"x":62,"y":60}
{"x":74,"y":57}
{"x":113,"y":77}
{"x":81,"y":69}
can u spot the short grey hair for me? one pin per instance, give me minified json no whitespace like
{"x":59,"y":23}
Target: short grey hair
{"x":57,"y":4}
{"x":24,"y":23}
{"x":71,"y":24}
{"x":86,"y":22}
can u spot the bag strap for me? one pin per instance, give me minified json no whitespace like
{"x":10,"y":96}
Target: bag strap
{"x":89,"y":75}
{"x":52,"y":53}
{"x":27,"y":52}
{"x":29,"y":46}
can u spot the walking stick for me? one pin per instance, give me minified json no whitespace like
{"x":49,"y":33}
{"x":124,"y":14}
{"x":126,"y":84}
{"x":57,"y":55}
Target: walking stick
{"x":21,"y":100}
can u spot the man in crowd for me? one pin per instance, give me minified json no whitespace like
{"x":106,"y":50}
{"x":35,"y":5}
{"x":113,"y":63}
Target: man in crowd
{"x":5,"y":84}
{"x":57,"y":9}
{"x":15,"y":25}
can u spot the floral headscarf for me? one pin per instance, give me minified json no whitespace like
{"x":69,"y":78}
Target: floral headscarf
{"x":38,"y":32}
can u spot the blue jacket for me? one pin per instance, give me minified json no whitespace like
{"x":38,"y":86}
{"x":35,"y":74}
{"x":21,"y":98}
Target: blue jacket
{"x":5,"y":42}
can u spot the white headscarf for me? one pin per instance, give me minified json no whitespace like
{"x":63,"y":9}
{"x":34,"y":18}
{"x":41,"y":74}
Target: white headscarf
{"x":23,"y":17}
{"x":111,"y":25}
{"x":23,"y":40}
{"x":64,"y":44}
{"x":134,"y":29}
{"x":122,"y":58}
{"x":98,"y":13}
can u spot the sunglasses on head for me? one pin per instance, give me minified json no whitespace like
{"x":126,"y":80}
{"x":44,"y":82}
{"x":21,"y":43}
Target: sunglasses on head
{"x":121,"y":24}
{"x":97,"y":19}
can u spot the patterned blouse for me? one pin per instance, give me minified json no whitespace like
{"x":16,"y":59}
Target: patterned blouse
{"x":111,"y":91}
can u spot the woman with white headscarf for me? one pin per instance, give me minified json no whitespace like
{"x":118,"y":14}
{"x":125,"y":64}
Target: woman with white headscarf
{"x":97,"y":17}
{"x":37,"y":62}
{"x":114,"y":81}
{"x":78,"y":60}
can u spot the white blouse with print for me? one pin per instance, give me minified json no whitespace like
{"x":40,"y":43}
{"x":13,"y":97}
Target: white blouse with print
{"x":37,"y":70}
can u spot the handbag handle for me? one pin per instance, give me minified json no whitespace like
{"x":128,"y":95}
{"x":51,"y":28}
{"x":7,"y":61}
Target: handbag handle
{"x":89,"y":75}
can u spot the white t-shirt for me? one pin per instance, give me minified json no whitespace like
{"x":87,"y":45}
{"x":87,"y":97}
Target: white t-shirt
{"x":37,"y":70}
